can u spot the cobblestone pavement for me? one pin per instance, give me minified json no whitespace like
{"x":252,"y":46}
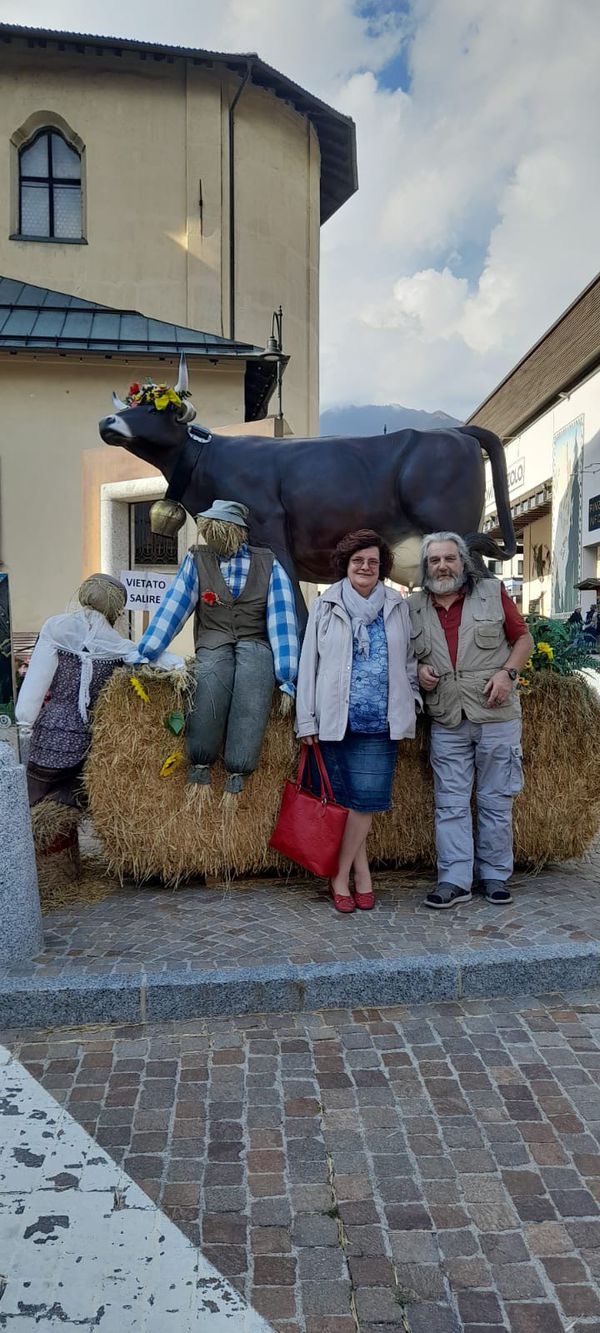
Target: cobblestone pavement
{"x":423,"y":1169}
{"x":265,"y":922}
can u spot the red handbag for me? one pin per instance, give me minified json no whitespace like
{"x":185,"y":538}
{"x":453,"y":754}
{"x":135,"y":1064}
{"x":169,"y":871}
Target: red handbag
{"x":310,"y":826}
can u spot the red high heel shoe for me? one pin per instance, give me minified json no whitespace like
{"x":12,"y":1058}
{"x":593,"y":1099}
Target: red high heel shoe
{"x":340,"y":901}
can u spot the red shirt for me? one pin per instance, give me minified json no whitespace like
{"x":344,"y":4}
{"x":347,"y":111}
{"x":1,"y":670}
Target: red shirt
{"x":514,"y":625}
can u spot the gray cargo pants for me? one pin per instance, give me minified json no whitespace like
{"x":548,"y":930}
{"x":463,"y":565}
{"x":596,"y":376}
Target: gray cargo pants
{"x":492,"y":753}
{"x":234,"y":691}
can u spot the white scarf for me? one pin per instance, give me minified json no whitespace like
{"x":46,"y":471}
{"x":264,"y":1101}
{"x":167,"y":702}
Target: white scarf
{"x":87,"y":635}
{"x":362,"y":611}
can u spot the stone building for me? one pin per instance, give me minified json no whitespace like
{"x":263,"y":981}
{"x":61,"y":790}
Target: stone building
{"x":153,"y":199}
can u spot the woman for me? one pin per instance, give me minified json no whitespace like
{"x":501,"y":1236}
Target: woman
{"x":358,"y":695}
{"x":75,"y":655}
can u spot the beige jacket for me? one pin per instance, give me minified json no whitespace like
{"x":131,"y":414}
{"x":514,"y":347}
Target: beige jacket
{"x":323,"y":689}
{"x":482,"y":650}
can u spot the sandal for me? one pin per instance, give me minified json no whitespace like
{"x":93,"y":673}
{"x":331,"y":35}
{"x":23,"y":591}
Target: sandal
{"x":447,"y":895}
{"x":494,"y":890}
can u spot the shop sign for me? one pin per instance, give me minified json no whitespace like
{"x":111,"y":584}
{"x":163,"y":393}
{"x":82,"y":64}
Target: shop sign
{"x":516,"y":481}
{"x":145,"y":591}
{"x":594,"y":513}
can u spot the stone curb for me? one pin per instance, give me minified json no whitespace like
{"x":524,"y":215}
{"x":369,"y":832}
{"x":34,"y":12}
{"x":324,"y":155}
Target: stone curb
{"x":76,"y":997}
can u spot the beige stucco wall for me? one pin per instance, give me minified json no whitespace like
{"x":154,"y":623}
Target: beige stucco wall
{"x":155,"y":136}
{"x":50,"y":411}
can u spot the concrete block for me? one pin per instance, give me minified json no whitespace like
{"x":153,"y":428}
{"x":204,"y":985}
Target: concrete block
{"x":21,"y":934}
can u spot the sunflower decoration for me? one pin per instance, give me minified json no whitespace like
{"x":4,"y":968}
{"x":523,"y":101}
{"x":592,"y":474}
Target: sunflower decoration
{"x":159,"y":396}
{"x":171,"y":763}
{"x":557,"y":648}
{"x":139,"y":689}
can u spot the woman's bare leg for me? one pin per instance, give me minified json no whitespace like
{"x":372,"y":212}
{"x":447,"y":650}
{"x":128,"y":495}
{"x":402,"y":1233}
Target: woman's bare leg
{"x":362,"y":870}
{"x":355,"y":836}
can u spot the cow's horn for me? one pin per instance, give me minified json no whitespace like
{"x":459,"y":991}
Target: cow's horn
{"x":186,"y":412}
{"x":118,"y":403}
{"x":183,"y":382}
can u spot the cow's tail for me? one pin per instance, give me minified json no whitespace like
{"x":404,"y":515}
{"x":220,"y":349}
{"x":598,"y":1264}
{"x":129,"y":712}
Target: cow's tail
{"x":480,"y":541}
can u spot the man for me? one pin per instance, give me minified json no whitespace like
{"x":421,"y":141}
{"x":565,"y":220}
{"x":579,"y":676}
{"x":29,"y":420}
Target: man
{"x":245,"y":635}
{"x":471,"y":643}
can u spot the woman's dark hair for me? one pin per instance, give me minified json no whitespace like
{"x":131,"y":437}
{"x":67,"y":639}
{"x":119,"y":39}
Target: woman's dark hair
{"x":357,"y":541}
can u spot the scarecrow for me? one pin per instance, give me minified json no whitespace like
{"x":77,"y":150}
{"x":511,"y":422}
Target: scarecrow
{"x":246,"y":638}
{"x":74,"y":657}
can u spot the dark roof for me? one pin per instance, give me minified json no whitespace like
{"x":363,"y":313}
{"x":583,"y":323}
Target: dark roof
{"x":562,"y":357}
{"x":37,"y":319}
{"x":336,"y":133}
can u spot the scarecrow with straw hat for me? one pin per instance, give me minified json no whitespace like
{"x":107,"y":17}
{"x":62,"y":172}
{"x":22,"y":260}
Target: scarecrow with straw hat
{"x":245,"y":636}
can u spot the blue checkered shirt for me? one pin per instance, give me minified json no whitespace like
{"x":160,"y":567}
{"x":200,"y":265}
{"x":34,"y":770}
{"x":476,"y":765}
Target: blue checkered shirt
{"x":182,"y":597}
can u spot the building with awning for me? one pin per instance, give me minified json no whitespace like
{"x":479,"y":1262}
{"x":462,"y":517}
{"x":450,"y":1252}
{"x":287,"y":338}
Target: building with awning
{"x":547,"y":413}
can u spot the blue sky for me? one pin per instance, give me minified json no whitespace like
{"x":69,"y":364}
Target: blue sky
{"x":476,"y":219}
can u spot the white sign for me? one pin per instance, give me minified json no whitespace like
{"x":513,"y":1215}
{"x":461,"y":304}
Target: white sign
{"x":145,"y":591}
{"x":515,"y":472}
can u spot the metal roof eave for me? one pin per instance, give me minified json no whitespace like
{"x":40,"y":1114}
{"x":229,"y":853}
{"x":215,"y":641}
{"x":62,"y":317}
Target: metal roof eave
{"x":336,"y":132}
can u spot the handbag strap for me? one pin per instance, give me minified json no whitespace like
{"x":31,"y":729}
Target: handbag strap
{"x":304,"y":771}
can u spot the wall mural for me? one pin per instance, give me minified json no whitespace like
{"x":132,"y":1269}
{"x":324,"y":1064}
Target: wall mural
{"x":567,"y":467}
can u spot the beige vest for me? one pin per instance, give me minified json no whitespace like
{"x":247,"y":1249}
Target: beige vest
{"x":231,"y":618}
{"x":482,"y":649}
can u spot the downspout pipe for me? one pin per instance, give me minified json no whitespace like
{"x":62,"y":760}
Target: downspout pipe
{"x":245,"y":81}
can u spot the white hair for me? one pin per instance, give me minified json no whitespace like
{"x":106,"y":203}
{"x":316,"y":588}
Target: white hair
{"x":461,"y":546}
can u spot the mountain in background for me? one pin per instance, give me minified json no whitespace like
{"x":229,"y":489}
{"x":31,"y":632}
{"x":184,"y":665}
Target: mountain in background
{"x":370,"y":420}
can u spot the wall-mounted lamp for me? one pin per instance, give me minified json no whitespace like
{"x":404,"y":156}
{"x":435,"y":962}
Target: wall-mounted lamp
{"x":274,"y":352}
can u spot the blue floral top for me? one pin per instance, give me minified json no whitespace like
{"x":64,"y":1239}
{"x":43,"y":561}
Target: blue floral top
{"x":368,"y":706}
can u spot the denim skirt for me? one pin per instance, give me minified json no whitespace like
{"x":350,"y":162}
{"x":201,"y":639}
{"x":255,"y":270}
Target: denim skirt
{"x":361,"y":770}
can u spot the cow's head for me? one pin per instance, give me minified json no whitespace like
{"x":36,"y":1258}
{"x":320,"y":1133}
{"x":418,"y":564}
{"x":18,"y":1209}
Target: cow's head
{"x":153,"y":421}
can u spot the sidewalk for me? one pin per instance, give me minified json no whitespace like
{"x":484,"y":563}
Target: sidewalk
{"x":420,"y":1169}
{"x":272,"y":945}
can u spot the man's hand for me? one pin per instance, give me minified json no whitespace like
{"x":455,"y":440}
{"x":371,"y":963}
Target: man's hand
{"x":427,"y":678}
{"x":308,"y":740}
{"x":498,"y":689}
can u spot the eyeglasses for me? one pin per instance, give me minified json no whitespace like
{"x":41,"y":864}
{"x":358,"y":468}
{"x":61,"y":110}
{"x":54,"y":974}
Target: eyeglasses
{"x":357,"y":563}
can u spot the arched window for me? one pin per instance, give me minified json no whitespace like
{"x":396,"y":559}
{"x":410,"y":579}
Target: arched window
{"x":49,"y":188}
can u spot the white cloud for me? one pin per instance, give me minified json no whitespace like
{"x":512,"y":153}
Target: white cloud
{"x":476,"y":219}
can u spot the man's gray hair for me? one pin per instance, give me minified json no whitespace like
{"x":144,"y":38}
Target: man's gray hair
{"x":470,"y":569}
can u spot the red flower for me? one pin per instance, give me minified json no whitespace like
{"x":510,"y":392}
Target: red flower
{"x":210,"y":598}
{"x":134,"y":388}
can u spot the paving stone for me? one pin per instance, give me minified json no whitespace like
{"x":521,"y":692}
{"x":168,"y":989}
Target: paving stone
{"x":518,"y":1281}
{"x":326,"y":1298}
{"x":541,"y":1318}
{"x":455,"y":1198}
{"x":425,"y":1280}
{"x":428,"y":1318}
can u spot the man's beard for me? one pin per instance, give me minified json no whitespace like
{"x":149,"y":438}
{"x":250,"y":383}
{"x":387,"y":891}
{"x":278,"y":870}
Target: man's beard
{"x":439,"y":587}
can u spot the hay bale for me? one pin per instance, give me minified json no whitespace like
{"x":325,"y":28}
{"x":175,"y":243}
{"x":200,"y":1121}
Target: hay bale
{"x":152,"y":826}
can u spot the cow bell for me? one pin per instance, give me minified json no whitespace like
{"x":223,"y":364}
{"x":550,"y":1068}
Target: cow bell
{"x":166,"y":517}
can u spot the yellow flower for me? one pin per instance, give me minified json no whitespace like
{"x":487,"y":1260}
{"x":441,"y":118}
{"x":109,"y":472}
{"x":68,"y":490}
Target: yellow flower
{"x":161,"y":402}
{"x":171,"y":763}
{"x":545,"y":648}
{"x":139,"y":689}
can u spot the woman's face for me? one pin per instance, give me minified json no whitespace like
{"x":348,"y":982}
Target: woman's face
{"x":363,"y":569}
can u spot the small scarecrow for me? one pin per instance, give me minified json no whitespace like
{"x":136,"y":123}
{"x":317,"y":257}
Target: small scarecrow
{"x":246,"y":639}
{"x":74,"y":657}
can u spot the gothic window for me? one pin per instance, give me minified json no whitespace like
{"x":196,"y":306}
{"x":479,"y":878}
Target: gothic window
{"x":49,"y":188}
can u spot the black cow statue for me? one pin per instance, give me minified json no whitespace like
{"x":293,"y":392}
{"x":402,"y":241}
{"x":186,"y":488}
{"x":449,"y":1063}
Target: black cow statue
{"x":305,"y":494}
